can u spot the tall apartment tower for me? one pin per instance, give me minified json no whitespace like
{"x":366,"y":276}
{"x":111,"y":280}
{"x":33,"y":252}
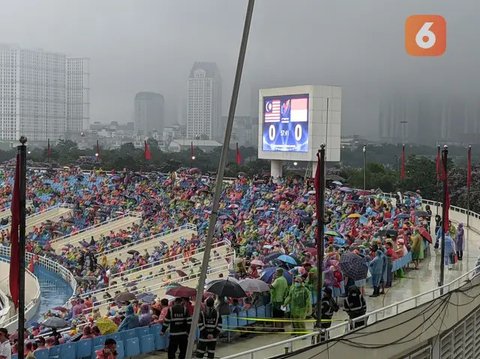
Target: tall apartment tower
{"x":78,"y":96}
{"x":149,"y":113}
{"x":204,"y":102}
{"x":32,"y":92}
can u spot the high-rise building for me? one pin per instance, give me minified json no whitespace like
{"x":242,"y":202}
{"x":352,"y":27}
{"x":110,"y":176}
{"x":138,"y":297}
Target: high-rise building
{"x":244,"y":131}
{"x":38,"y":91}
{"x":149,"y":113}
{"x":77,"y":86}
{"x":204,"y":102}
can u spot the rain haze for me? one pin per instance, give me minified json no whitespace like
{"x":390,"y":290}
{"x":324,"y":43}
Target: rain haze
{"x":150,"y":45}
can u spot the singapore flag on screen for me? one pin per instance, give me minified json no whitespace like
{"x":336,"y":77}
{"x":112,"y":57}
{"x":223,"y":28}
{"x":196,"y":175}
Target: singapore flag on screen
{"x":272,"y":111}
{"x":299,"y":110}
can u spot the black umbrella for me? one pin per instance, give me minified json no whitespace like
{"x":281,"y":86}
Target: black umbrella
{"x":353,"y":266}
{"x":421,"y":213}
{"x":272,"y":256}
{"x":133,"y":252}
{"x":55,"y":322}
{"x":226,"y":288}
{"x":125,"y":297}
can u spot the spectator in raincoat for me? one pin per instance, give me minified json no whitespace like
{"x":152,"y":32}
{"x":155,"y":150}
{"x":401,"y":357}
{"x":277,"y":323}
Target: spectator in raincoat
{"x":416,"y":248}
{"x":459,"y":241}
{"x":278,"y":292}
{"x":130,"y":321}
{"x":376,"y":269}
{"x":299,"y":299}
{"x":449,"y":257}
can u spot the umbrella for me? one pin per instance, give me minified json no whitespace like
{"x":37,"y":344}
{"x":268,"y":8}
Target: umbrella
{"x":353,"y":266}
{"x":133,"y":252}
{"x":254,"y":285}
{"x":345,"y":189}
{"x":125,"y":297}
{"x":421,"y":213}
{"x":424,"y":233}
{"x":338,"y":183}
{"x":287,"y":259}
{"x":181,"y":273}
{"x":331,"y":233}
{"x":257,"y":262}
{"x":182,"y":292}
{"x":226,"y":288}
{"x":61,"y":309}
{"x":106,"y":326}
{"x":55,"y":322}
{"x":403,"y":216}
{"x":387,"y":232}
{"x":268,"y":273}
{"x":272,"y":256}
{"x":354,"y":215}
{"x":147,"y":297}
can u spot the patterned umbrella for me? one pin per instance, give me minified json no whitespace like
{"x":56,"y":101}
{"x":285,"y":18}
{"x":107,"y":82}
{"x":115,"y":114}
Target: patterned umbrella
{"x":254,"y":285}
{"x":353,"y":266}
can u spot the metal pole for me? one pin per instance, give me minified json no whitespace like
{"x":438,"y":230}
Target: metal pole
{"x":364,"y":167}
{"x":219,"y":180}
{"x":22,"y":150}
{"x":469,"y":162}
{"x":444,"y":215}
{"x":320,"y":234}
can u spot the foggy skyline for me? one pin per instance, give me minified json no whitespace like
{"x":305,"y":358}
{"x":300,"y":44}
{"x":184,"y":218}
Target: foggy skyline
{"x":151,"y":45}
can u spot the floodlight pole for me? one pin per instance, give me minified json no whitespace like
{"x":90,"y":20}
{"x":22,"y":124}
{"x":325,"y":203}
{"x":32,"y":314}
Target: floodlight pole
{"x":219,"y":180}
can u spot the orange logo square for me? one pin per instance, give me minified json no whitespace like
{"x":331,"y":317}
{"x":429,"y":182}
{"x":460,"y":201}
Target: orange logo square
{"x":425,"y":35}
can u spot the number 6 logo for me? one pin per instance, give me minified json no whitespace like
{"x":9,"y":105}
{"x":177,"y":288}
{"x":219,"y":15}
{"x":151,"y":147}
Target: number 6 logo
{"x":425,"y":35}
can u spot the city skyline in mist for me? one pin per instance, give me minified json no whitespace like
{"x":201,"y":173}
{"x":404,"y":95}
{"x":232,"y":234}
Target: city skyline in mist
{"x":147,"y":45}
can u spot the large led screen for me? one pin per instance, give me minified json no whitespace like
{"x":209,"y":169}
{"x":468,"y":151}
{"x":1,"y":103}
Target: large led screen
{"x":285,"y":123}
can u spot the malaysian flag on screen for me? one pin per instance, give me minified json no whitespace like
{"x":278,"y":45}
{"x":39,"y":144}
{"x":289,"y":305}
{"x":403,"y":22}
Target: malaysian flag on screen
{"x":272,"y":111}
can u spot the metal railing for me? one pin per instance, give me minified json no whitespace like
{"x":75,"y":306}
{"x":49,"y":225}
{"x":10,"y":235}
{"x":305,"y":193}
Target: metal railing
{"x":371,"y":317}
{"x":30,"y":307}
{"x":151,"y":289}
{"x":150,"y":238}
{"x":168,"y":260}
{"x":51,"y":266}
{"x":126,"y":214}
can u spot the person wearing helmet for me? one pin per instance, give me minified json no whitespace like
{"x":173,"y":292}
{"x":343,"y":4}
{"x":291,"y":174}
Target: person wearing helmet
{"x":355,"y":306}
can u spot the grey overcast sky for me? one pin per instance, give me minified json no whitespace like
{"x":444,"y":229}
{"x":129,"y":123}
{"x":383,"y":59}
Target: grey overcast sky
{"x":150,"y":45}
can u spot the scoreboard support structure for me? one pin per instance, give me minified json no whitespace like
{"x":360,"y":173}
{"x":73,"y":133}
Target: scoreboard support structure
{"x":276,"y":169}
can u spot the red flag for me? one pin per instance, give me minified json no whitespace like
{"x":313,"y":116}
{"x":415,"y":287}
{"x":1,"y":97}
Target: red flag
{"x":31,"y":264}
{"x":238,"y":156}
{"x":14,"y":248}
{"x":402,"y":165}
{"x":469,"y":167}
{"x":317,"y":183}
{"x":437,"y":164}
{"x":148,"y":155}
{"x":444,"y":175}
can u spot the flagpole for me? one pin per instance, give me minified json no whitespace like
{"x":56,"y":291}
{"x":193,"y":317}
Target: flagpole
{"x":320,"y":197}
{"x":444,"y":215}
{"x":469,"y":178}
{"x":364,"y":167}
{"x":22,"y":151}
{"x":219,"y":179}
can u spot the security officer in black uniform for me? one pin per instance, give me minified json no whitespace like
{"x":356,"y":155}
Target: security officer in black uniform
{"x":178,"y":321}
{"x":329,"y":306}
{"x":210,"y":325}
{"x":355,"y":306}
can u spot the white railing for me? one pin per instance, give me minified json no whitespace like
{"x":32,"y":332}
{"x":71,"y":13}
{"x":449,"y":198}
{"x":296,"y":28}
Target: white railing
{"x":372,"y":317}
{"x":30,"y":216}
{"x":150,"y":238}
{"x":126,"y":214}
{"x":151,"y":289}
{"x":168,"y":260}
{"x":50,"y":265}
{"x":33,"y":302}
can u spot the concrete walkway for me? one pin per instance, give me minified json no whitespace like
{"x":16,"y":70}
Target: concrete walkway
{"x":416,"y":282}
